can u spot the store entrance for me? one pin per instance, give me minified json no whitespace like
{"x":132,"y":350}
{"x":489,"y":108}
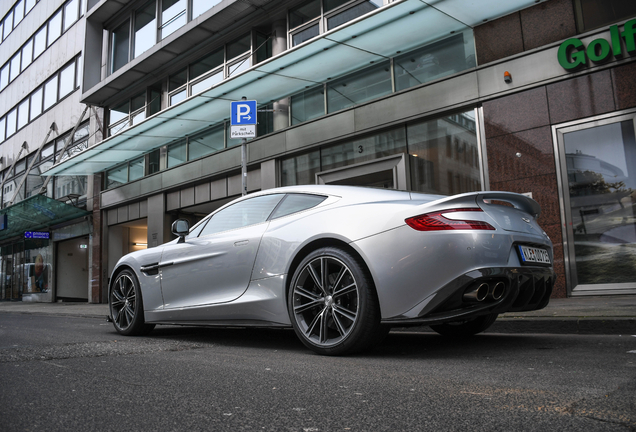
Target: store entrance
{"x":71,"y":279}
{"x":388,"y":173}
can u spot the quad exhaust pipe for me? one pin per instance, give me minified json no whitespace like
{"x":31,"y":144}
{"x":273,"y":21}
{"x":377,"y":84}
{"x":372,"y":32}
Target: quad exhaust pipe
{"x":483,"y":291}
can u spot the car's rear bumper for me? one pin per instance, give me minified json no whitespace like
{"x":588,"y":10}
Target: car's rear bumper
{"x":526,"y":289}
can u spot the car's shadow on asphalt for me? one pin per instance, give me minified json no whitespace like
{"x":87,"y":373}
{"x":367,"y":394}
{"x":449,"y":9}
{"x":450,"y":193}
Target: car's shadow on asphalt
{"x":397,"y":344}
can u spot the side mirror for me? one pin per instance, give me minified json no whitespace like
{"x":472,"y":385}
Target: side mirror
{"x":181,"y":228}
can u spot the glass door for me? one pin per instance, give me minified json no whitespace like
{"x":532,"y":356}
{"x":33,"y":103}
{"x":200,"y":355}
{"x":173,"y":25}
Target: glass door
{"x":597,"y":162}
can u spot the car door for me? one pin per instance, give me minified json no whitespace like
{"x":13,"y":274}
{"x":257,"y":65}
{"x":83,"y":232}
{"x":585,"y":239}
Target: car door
{"x":216,"y":266}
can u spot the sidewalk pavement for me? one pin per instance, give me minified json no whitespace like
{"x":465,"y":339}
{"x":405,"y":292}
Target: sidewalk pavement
{"x":574,"y":315}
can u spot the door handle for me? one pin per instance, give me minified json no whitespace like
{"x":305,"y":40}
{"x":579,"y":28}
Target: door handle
{"x":241,"y":243}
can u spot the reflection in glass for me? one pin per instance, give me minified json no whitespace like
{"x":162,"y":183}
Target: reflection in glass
{"x":145,"y":28}
{"x":136,"y":168}
{"x":350,"y":14}
{"x":55,"y":28}
{"x":239,"y":46}
{"x":176,"y":154}
{"x":601,"y":167}
{"x":439,"y":59}
{"x":364,"y":149}
{"x":27,"y":54}
{"x":304,"y":13}
{"x":443,"y":155}
{"x":208,"y":82}
{"x":39,"y":42}
{"x":305,"y":35}
{"x":36,"y":103}
{"x":208,"y":142}
{"x":360,"y":87}
{"x":67,"y":80}
{"x":118,"y":113}
{"x":120,"y":39}
{"x":240,"y":66}
{"x":308,"y":105}
{"x":50,"y":93}
{"x":117,"y":176}
{"x":15,"y":66}
{"x":11,"y":122}
{"x":23,"y":113}
{"x":70,"y":14}
{"x":173,"y":16}
{"x":206,"y":64}
{"x":300,"y":170}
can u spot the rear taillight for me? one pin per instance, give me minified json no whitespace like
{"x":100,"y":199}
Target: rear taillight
{"x":437,"y":222}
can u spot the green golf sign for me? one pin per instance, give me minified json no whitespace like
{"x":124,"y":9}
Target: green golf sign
{"x":573,"y":54}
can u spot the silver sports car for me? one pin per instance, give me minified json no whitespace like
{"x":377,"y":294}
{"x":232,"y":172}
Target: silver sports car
{"x":342,"y":265}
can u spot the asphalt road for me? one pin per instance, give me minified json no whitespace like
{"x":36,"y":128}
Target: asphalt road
{"x":67,"y":373}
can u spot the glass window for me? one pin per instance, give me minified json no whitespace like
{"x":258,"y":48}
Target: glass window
{"x":8,"y":25}
{"x":50,"y":93}
{"x":36,"y":103}
{"x":176,"y":154}
{"x":27,"y":54}
{"x":138,"y":102}
{"x":598,"y":166}
{"x":71,"y":13}
{"x":434,"y":61}
{"x":263,"y":47}
{"x":240,"y":66}
{"x":304,"y":13}
{"x":29,"y":5}
{"x":153,"y":161}
{"x":67,"y":185}
{"x":4,"y":76}
{"x":305,"y":35}
{"x":592,"y":14}
{"x":138,"y":117}
{"x":39,"y":42}
{"x":359,"y":87}
{"x":364,"y":149}
{"x":294,"y":203}
{"x":208,"y":142}
{"x":120,"y":40}
{"x":178,"y":97}
{"x":433,"y":169}
{"x":239,"y":46}
{"x":154,"y":95}
{"x":308,"y":105}
{"x":200,"y":6}
{"x":81,"y":132}
{"x":145,"y":28}
{"x":1,"y":29}
{"x":300,"y":170}
{"x":350,"y":14}
{"x":208,"y":82}
{"x":242,"y":214}
{"x":23,"y":113}
{"x":265,"y":120}
{"x":55,"y":27}
{"x":137,"y":167}
{"x":15,"y":66}
{"x":67,"y":80}
{"x":2,"y":126}
{"x":11,"y":122}
{"x":47,"y":151}
{"x":18,"y":13}
{"x":332,"y":4}
{"x":177,"y":80}
{"x":119,"y":112}
{"x":206,"y":64}
{"x":173,"y":16}
{"x":117,"y":176}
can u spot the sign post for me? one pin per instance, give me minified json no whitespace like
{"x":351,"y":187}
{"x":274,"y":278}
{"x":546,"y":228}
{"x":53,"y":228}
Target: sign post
{"x":243,"y":125}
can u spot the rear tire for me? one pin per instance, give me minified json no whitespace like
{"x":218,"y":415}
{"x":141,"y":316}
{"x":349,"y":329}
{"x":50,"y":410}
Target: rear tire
{"x":126,"y":305}
{"x":465,"y":328}
{"x":332,"y":303}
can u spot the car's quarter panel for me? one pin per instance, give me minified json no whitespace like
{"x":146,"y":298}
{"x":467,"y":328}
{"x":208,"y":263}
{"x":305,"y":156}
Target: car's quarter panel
{"x":210,"y":269}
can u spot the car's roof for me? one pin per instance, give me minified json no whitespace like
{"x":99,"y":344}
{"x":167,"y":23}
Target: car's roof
{"x":353,"y":193}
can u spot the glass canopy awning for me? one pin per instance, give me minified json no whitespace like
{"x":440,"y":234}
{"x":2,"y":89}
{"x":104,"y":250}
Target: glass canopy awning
{"x":36,"y":213}
{"x":398,"y":26}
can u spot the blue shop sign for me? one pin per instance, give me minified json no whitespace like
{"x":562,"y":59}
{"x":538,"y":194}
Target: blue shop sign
{"x":37,"y":235}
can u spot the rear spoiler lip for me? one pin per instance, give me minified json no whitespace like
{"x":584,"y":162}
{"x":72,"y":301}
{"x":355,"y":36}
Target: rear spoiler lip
{"x":518,"y":201}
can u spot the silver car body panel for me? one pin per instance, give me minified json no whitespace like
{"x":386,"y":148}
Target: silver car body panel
{"x":241,"y":276}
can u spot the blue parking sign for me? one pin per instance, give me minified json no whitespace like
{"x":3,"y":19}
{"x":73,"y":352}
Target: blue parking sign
{"x":243,"y":113}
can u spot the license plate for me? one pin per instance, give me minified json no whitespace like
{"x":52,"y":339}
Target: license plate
{"x":534,"y":255}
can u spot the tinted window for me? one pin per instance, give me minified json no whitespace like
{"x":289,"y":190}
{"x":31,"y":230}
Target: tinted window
{"x":294,"y":203}
{"x":244,"y":213}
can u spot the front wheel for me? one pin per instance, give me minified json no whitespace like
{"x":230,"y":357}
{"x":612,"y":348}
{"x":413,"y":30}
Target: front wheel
{"x":465,"y":328}
{"x":126,"y":305}
{"x":332,"y":303}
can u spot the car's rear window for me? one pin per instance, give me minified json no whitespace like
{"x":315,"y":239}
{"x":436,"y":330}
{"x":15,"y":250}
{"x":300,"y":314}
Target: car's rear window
{"x":294,"y":203}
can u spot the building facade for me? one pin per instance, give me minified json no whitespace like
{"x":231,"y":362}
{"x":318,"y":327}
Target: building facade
{"x":438,"y":97}
{"x":45,"y":228}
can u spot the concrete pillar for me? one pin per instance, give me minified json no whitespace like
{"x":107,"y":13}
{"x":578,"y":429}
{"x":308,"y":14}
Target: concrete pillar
{"x":279,"y":45}
{"x":158,"y":221}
